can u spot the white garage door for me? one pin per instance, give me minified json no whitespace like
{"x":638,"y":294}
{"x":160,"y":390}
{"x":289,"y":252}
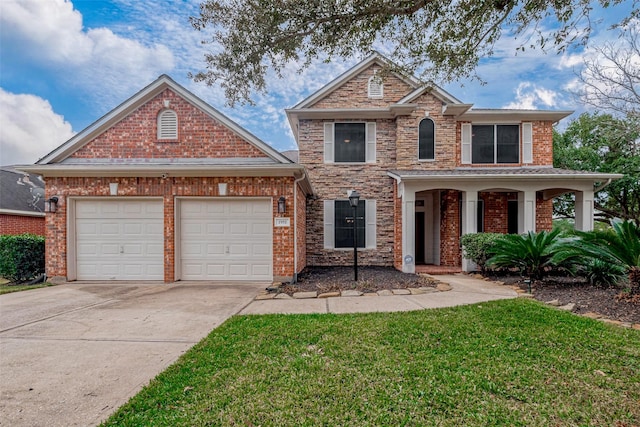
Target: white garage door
{"x":119,"y":240}
{"x":225,"y":239}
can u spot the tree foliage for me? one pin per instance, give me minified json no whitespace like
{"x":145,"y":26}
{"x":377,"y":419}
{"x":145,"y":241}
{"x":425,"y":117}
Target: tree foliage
{"x":602,"y":143}
{"x":436,"y":39}
{"x":610,"y":78}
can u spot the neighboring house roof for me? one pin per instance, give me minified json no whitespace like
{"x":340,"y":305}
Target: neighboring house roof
{"x":21,"y":193}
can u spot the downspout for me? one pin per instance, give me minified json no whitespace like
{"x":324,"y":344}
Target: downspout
{"x":294,"y":278}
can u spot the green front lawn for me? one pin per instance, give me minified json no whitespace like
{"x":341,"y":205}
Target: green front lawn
{"x":512,"y":362}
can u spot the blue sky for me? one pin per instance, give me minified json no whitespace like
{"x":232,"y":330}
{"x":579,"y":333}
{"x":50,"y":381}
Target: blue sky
{"x":64,"y":64}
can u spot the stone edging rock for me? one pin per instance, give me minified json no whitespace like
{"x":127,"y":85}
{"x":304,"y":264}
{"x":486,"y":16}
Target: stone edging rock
{"x":440,"y":287}
{"x":570,"y":307}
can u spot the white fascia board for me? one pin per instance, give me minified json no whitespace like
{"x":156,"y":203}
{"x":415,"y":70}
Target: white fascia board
{"x":160,"y":170}
{"x":436,"y":90}
{"x":507,"y":177}
{"x":495,"y":115}
{"x":21,"y":213}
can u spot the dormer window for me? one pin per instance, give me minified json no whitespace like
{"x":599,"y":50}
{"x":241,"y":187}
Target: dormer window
{"x":168,"y":125}
{"x":375,"y":87}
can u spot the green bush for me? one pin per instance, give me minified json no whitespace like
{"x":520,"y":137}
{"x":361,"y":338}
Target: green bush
{"x":21,"y":257}
{"x":476,"y":247}
{"x":603,"y":273}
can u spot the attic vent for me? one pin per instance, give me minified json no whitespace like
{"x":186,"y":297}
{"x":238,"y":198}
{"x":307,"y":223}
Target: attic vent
{"x":167,"y":125}
{"x":375,"y":87}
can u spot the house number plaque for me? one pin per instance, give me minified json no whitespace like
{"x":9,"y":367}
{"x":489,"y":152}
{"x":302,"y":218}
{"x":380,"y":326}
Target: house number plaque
{"x":282,"y":222}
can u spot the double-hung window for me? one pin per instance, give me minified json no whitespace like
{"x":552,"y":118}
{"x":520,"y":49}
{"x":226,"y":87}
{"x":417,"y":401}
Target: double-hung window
{"x":495,"y":144}
{"x":350,"y":142}
{"x":338,"y":224}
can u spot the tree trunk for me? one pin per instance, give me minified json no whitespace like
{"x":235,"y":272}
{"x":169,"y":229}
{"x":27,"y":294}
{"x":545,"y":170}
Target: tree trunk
{"x":634,"y":280}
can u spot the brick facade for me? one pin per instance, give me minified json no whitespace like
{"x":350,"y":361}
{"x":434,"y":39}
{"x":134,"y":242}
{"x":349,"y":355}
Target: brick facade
{"x":397,"y":149}
{"x":20,"y":224}
{"x":170,"y":189}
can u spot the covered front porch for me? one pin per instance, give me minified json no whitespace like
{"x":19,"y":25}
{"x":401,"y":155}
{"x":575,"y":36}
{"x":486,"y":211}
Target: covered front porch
{"x":435,"y":208}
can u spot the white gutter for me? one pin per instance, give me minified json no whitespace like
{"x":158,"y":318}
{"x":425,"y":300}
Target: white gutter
{"x":21,"y":213}
{"x":602,"y":186}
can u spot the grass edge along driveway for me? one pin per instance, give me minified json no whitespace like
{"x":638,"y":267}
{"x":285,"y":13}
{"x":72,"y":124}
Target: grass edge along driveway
{"x":512,"y":362}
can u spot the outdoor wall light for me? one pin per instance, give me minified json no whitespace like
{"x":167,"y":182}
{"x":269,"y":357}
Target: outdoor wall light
{"x":282,"y":205}
{"x":51,"y":205}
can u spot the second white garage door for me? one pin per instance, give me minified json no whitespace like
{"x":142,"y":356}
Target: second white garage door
{"x":226,"y":239}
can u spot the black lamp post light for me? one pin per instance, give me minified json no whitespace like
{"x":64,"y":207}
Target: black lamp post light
{"x":354,"y":199}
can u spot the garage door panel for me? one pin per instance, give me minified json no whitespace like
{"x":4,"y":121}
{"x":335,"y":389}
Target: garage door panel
{"x":229,"y":239}
{"x":119,"y":240}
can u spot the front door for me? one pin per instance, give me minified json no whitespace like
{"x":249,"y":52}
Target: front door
{"x":420,"y":238}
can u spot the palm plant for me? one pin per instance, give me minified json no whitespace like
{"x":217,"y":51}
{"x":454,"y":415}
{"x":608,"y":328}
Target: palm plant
{"x":532,"y":253}
{"x":619,"y":246}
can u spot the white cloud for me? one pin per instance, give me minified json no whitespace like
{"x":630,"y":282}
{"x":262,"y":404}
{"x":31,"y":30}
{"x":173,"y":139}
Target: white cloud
{"x":30,"y":128}
{"x":530,"y":96}
{"x":50,"y":33}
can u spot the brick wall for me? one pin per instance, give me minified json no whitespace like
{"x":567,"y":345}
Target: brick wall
{"x":355,"y":94}
{"x":169,"y":189}
{"x":544,"y":213}
{"x":301,"y":223}
{"x":332,"y":181}
{"x":199,"y":136}
{"x":445,"y":136}
{"x":450,"y":229}
{"x":20,"y":224}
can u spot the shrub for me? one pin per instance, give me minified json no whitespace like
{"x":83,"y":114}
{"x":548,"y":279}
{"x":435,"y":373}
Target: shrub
{"x":531,"y":253}
{"x":477,"y":246}
{"x":21,"y":257}
{"x":603,"y":273}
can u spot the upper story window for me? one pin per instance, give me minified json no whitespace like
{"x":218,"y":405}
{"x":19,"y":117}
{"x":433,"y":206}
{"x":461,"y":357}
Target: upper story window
{"x":168,"y":125}
{"x":495,"y":144}
{"x":375,"y":87}
{"x":350,"y":142}
{"x":426,"y":140}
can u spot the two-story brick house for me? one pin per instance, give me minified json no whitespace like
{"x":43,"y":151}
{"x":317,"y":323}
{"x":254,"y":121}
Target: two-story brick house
{"x":429,"y":168}
{"x":165,"y":187}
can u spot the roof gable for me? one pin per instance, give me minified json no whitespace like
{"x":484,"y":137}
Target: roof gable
{"x":163,"y":86}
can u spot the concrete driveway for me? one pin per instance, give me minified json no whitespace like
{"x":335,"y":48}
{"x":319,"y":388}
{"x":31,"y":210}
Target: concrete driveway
{"x":72,"y":354}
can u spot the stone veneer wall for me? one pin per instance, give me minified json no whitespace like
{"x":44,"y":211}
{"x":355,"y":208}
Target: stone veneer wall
{"x":332,"y":181}
{"x":168,"y":189}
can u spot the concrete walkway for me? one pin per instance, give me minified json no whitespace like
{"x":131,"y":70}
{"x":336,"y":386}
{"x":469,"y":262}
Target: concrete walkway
{"x":465,"y":290}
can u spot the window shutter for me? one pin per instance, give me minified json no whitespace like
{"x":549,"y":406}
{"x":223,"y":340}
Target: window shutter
{"x":466,"y":144}
{"x":370,"y":214}
{"x":168,"y":125}
{"x":371,"y":142}
{"x":527,"y":143}
{"x":328,"y":142}
{"x":329,"y":236}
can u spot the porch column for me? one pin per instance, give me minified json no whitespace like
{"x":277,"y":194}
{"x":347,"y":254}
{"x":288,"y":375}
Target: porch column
{"x":584,"y":210}
{"x":469,"y":221}
{"x":526,"y":211}
{"x":408,"y":231}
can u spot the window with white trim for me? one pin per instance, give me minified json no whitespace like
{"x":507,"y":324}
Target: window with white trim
{"x":338,"y":224}
{"x":491,"y":144}
{"x":426,"y":139}
{"x":350,"y":142}
{"x":375,"y":87}
{"x":168,"y":124}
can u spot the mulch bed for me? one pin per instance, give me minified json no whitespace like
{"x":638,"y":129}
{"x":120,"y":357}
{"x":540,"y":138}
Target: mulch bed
{"x":370,"y":279}
{"x":612,"y":303}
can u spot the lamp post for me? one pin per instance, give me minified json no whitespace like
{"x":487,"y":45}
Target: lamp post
{"x":354,"y":198}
